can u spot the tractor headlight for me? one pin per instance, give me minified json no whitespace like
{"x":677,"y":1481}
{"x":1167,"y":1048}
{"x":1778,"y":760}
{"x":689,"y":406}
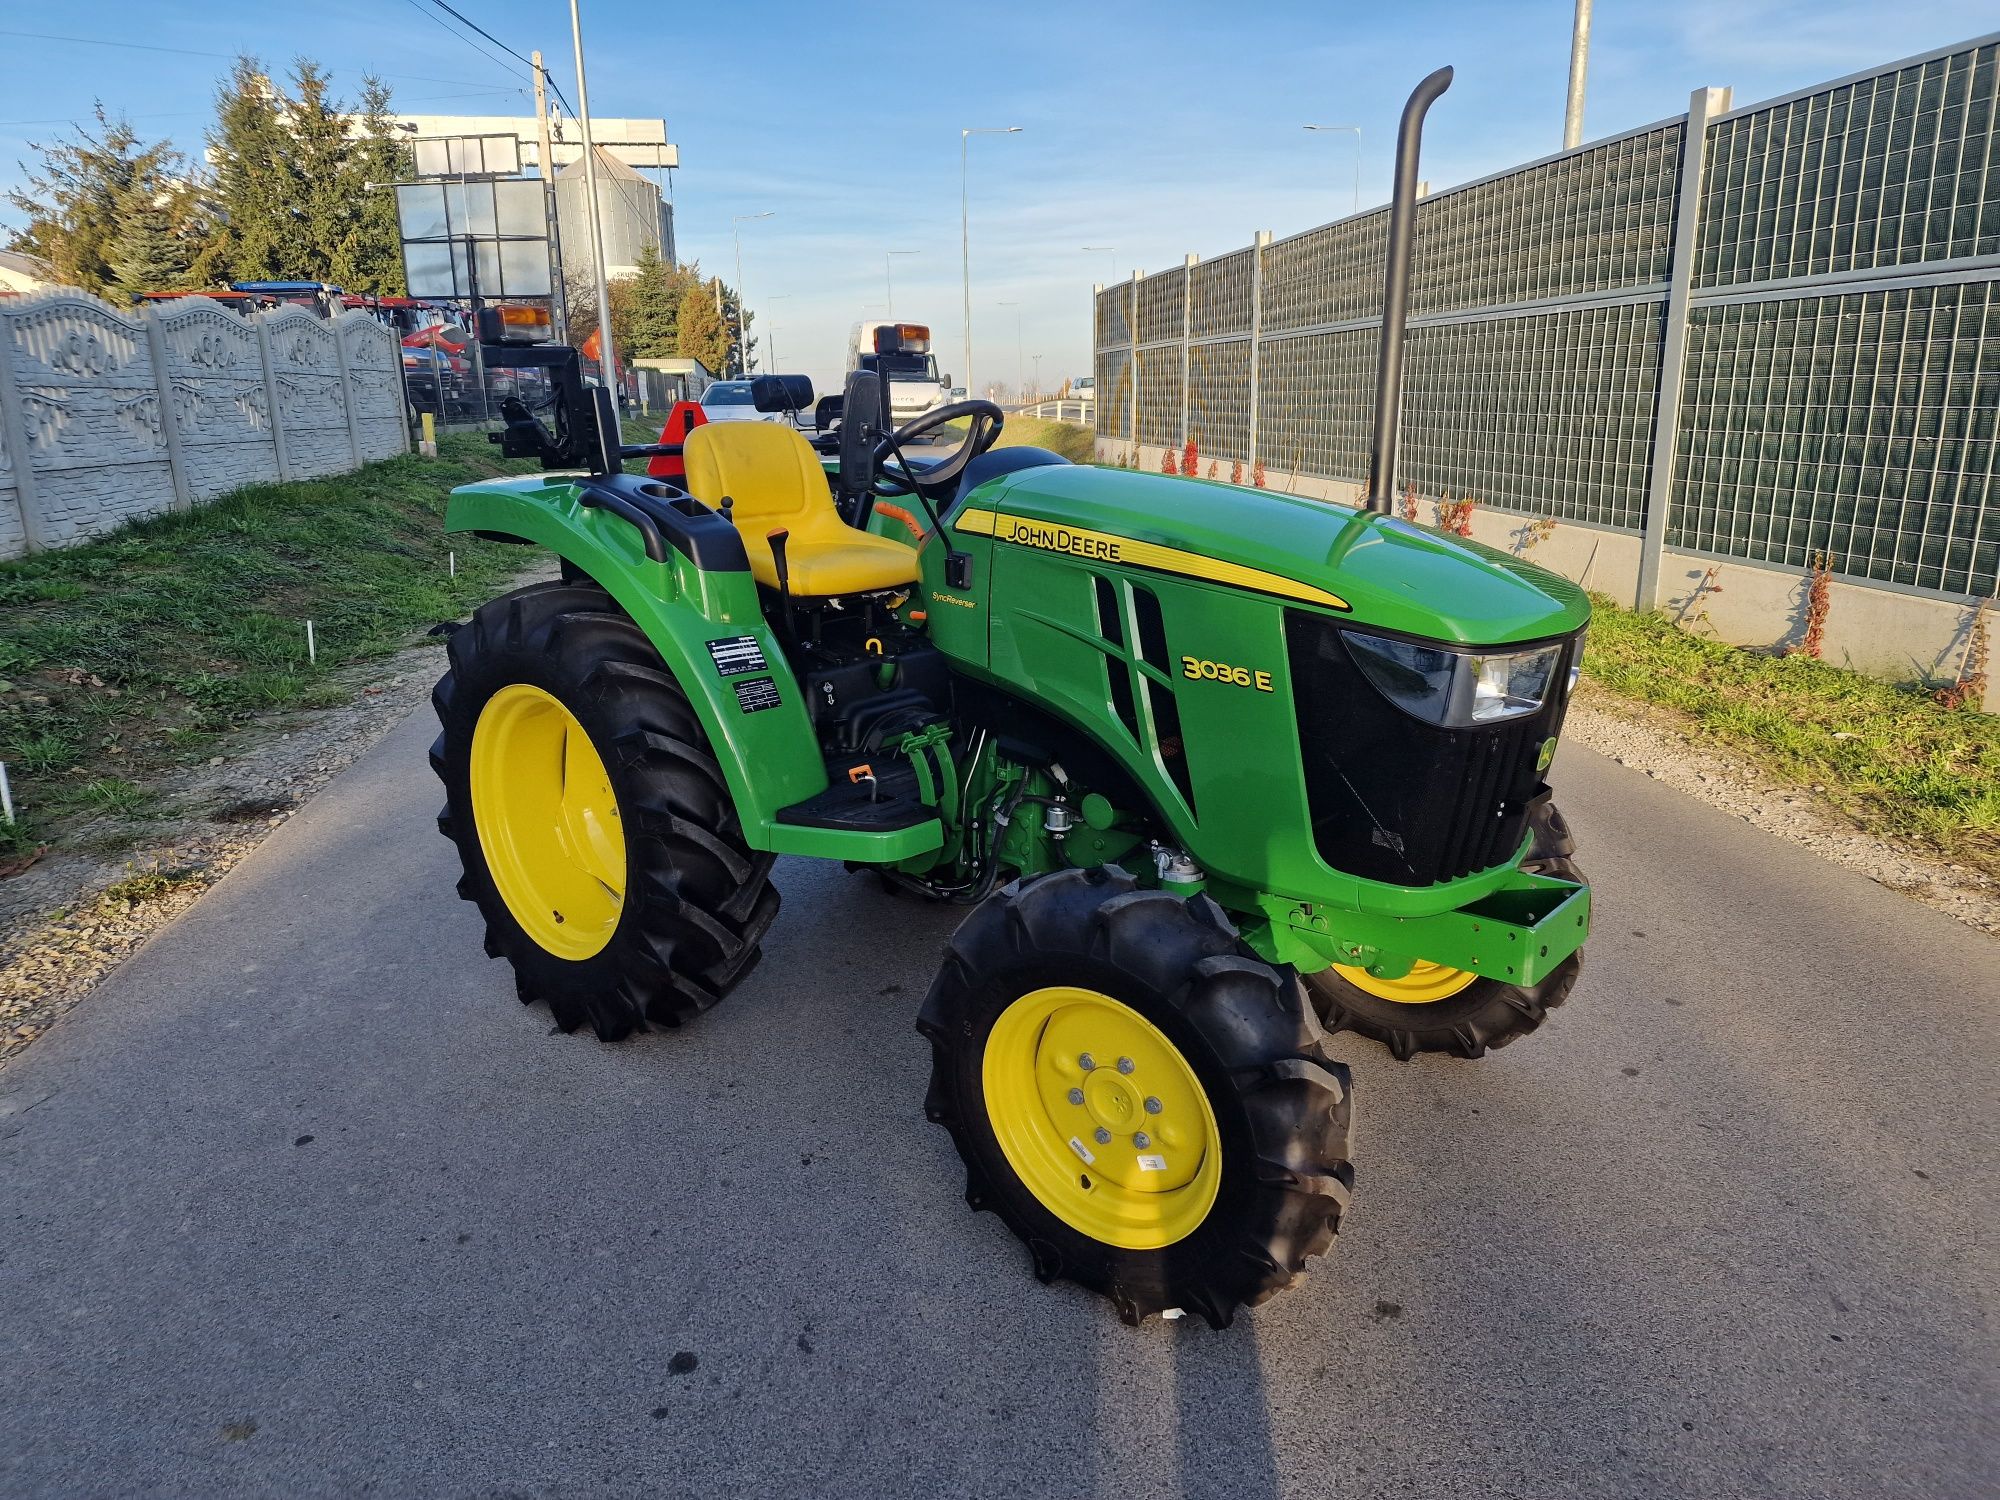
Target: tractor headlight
{"x":1455,"y":688}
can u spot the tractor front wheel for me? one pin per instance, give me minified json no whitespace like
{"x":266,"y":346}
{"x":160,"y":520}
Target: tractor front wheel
{"x":1434,"y":1008}
{"x":1139,"y":1098}
{"x":597,"y":836}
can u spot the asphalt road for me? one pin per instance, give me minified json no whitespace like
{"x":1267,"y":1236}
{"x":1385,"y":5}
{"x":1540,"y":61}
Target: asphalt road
{"x":302,"y":1202}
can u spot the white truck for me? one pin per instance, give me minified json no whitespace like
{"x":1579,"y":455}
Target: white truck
{"x":903,"y":350}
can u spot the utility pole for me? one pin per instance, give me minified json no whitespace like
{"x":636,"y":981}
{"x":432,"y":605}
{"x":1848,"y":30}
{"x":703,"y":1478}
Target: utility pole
{"x":771,"y":333}
{"x":742,"y":338}
{"x":607,"y":356}
{"x":1020,"y":360}
{"x":1579,"y":64}
{"x":559,"y":300}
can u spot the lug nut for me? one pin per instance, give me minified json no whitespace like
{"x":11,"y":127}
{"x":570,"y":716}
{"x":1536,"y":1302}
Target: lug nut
{"x":1086,"y":1062}
{"x":1103,"y":1136}
{"x":1142,"y":1140}
{"x":1125,"y":1065}
{"x":1153,"y":1106}
{"x":1076,"y":1096}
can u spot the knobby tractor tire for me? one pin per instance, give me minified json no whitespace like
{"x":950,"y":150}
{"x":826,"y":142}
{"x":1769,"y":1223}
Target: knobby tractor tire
{"x":1278,"y":1108}
{"x":1485,"y":1013}
{"x":695,"y":901}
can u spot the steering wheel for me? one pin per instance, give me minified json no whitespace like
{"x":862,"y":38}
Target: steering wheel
{"x":939,"y":481}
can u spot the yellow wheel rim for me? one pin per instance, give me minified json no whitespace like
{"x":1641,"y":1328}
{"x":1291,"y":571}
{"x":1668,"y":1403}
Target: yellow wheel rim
{"x":1101,"y":1118}
{"x":548,"y":821}
{"x":1424,"y":983}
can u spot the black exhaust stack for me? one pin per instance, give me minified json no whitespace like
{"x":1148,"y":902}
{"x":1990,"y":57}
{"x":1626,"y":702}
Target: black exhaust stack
{"x":1396,"y":294}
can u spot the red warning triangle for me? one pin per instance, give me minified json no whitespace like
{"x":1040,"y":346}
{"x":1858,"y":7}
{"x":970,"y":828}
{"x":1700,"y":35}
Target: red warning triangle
{"x":683,"y":419}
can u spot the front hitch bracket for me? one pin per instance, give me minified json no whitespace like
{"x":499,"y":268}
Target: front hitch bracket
{"x":1518,"y":934}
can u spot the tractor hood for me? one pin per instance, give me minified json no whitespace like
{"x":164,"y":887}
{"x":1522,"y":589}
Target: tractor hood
{"x":1385,"y":571}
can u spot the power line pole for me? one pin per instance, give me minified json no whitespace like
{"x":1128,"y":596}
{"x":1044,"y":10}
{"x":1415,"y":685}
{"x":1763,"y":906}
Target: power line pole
{"x":1579,"y":64}
{"x":559,"y":301}
{"x":743,"y":338}
{"x":607,"y":364}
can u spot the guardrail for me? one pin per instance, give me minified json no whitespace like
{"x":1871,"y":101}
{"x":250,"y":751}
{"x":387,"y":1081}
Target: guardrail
{"x":1061,"y":411}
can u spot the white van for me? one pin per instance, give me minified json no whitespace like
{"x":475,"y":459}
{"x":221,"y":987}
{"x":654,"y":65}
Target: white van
{"x":904,"y":351}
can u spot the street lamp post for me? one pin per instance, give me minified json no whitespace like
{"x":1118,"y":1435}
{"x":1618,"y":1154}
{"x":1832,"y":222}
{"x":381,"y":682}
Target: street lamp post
{"x":1038,"y":375}
{"x":965,"y":225}
{"x":1104,"y":250}
{"x":1579,"y":65}
{"x":1020,"y":366}
{"x":888,"y":281}
{"x":1357,"y":157}
{"x":742,"y":339}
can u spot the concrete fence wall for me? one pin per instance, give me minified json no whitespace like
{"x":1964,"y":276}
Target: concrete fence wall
{"x":108,"y":416}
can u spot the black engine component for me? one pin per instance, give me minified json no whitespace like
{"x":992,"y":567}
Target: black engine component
{"x":861,"y":702}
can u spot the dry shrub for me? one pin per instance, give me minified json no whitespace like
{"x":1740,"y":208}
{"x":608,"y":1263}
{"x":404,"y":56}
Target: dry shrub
{"x":1968,"y":690}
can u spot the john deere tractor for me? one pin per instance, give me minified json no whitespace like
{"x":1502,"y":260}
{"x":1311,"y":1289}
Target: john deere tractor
{"x":1212,"y":768}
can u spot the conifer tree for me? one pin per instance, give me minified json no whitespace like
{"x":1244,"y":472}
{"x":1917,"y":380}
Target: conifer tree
{"x":78,"y":194}
{"x":654,"y":297}
{"x":150,"y":252}
{"x":324,"y":203}
{"x":372,"y":256}
{"x":253,"y":193}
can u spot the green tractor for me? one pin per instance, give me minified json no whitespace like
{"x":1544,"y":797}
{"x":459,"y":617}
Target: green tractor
{"x":1212,"y":768}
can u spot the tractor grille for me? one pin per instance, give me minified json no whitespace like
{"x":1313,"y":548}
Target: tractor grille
{"x":1395,"y":799}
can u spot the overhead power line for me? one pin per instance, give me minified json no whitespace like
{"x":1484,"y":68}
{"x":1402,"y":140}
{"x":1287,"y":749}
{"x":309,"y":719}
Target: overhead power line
{"x":188,"y":114}
{"x":473,"y":26}
{"x":98,"y":41}
{"x":458,"y":36}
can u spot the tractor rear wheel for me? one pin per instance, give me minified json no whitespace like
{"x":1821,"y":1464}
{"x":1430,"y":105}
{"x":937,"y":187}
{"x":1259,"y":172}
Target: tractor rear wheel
{"x":1140,"y":1099}
{"x":1438,"y":1009}
{"x":597,"y":836}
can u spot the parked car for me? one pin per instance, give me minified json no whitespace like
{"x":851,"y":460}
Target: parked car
{"x":730,"y":401}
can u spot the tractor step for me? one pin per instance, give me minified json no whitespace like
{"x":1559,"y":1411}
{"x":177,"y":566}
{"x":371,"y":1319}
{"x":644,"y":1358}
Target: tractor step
{"x":865,"y":797}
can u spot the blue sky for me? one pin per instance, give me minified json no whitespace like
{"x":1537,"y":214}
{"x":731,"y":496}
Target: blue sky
{"x":1158,"y":128}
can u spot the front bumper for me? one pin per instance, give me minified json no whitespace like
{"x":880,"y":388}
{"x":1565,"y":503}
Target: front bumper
{"x":1520,"y":932}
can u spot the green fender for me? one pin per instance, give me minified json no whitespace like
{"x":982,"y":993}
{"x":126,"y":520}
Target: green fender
{"x":755,"y":719}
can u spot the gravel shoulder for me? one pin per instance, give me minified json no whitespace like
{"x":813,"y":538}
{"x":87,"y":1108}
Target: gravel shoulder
{"x":1667,"y":747}
{"x":76,"y":914}
{"x":60,"y":933}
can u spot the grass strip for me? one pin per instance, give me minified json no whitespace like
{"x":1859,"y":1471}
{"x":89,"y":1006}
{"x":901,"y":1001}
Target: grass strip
{"x":128,"y":657}
{"x":1888,"y":755}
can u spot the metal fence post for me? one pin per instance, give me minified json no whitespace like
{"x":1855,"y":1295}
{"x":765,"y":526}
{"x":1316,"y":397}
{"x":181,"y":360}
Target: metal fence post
{"x":1132,"y":334}
{"x":1703,"y":106}
{"x":1258,"y":243}
{"x":1187,"y":326}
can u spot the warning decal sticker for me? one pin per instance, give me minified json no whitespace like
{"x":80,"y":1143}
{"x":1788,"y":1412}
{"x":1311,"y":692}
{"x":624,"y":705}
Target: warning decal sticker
{"x":757,"y":695}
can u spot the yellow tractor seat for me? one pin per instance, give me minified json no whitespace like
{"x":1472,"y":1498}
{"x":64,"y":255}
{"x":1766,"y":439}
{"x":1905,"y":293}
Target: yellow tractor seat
{"x":774,"y":482}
